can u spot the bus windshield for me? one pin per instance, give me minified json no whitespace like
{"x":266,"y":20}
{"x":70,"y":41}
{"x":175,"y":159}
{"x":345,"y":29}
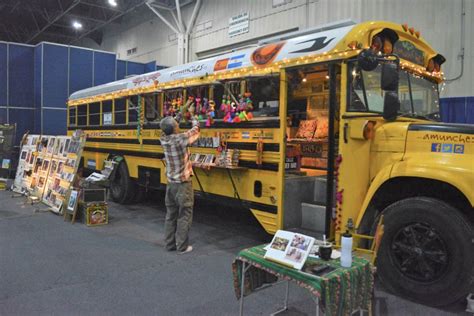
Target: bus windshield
{"x":419,"y":97}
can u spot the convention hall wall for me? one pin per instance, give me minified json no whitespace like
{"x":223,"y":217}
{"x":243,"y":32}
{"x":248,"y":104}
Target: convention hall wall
{"x":438,"y":20}
{"x":35,"y":81}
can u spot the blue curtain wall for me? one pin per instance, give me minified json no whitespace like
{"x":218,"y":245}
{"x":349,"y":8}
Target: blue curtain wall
{"x":104,"y":67}
{"x":20,"y":75}
{"x":457,"y":110}
{"x":35,"y":81}
{"x":80,"y":69}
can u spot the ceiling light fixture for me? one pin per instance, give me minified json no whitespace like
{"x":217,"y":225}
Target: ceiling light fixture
{"x":113,"y":3}
{"x":77,"y":25}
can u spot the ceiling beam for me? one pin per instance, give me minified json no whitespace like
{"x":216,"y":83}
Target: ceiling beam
{"x":113,"y":18}
{"x":100,"y":6}
{"x":50,"y":22}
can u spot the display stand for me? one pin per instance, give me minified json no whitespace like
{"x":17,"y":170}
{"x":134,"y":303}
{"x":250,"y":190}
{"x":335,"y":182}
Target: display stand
{"x":47,"y":168}
{"x":341,"y":291}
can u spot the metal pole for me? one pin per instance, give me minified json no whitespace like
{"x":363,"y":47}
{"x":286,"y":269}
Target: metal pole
{"x":178,"y":10}
{"x":162,"y":17}
{"x":242,"y":287}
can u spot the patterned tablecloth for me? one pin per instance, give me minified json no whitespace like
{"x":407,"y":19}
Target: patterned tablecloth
{"x":340,"y":291}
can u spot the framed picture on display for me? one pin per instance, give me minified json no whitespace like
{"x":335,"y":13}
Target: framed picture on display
{"x":72,"y":202}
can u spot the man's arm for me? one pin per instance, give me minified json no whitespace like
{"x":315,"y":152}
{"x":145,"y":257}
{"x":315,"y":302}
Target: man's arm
{"x":191,"y":135}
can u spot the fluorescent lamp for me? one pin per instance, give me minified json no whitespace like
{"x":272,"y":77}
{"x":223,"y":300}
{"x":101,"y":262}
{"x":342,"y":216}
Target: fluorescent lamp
{"x":77,"y":25}
{"x":113,"y":3}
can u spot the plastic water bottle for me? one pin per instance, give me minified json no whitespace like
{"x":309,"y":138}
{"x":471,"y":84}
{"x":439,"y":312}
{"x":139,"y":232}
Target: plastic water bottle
{"x":346,"y":250}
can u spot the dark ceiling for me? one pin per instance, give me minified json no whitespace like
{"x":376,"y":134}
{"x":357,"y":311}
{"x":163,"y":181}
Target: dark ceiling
{"x":33,"y":21}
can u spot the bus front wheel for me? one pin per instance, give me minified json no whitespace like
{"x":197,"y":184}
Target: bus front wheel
{"x":122,"y":186}
{"x":427,"y":251}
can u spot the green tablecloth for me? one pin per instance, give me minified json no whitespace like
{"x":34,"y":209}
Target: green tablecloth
{"x":340,"y":291}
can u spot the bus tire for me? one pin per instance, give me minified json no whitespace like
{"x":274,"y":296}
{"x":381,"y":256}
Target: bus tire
{"x":427,"y":251}
{"x":122,"y":187}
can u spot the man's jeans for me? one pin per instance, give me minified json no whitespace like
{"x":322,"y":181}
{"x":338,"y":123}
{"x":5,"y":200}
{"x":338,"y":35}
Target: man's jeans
{"x":179,"y":214}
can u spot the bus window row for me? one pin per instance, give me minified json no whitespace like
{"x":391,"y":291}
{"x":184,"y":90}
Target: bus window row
{"x":258,"y":95}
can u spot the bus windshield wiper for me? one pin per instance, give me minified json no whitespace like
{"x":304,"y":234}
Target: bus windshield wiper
{"x":417,"y":116}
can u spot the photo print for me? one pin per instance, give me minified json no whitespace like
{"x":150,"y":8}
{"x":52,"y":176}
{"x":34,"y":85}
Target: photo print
{"x":38,"y":163}
{"x":51,"y":143}
{"x":279,"y":243}
{"x":57,"y":142}
{"x":41,"y":182}
{"x":45,"y":165}
{"x":71,"y":163}
{"x":54,"y":166}
{"x":56,"y":183}
{"x":71,"y":205}
{"x":33,"y":183}
{"x":66,"y":147}
{"x":294,"y":254}
{"x":209,"y":159}
{"x":300,"y":242}
{"x":61,"y":146}
{"x":31,"y":159}
{"x":60,"y":167}
{"x":201,"y":159}
{"x":74,"y":147}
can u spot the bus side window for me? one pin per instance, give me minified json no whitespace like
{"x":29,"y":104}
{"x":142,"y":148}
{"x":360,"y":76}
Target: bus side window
{"x":94,"y":113}
{"x":218,"y":92}
{"x":265,"y":95}
{"x":72,"y":115}
{"x":107,"y":112}
{"x":151,"y":106}
{"x":133,"y":109}
{"x":82,"y":115}
{"x":120,"y":108}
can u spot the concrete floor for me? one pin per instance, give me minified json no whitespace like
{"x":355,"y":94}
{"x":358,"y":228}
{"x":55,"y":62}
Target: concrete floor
{"x":50,"y":267}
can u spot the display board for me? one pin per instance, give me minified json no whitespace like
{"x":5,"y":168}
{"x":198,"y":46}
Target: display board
{"x":48,"y":166}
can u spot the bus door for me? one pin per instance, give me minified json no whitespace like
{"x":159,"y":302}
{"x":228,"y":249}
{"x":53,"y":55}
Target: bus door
{"x":311,"y":147}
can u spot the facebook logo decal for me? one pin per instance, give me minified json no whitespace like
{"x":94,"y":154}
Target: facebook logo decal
{"x":436,"y":147}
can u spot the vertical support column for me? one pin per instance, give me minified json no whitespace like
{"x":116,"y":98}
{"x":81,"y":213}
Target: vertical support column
{"x":282,"y":138}
{"x":181,"y":48}
{"x":332,"y":146}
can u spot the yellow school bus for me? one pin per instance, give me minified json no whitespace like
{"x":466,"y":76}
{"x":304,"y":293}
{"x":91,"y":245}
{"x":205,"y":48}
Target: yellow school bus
{"x":335,"y":129}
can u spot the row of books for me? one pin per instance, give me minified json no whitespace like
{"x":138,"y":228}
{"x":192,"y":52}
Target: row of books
{"x":226,"y":158}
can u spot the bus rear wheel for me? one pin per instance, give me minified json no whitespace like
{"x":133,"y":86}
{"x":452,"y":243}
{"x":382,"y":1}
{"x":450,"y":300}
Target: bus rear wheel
{"x":122,"y":188}
{"x":427,"y":251}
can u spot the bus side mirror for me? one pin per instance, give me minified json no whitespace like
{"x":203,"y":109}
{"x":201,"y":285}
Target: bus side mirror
{"x":389,"y":79}
{"x":367,"y":60}
{"x":391,"y":105}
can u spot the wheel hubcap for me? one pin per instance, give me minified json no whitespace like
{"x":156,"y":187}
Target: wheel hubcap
{"x":420,"y":253}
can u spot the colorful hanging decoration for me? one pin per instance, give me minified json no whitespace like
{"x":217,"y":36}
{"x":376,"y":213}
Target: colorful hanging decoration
{"x":211,"y":113}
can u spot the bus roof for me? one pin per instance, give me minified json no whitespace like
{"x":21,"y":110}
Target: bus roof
{"x":315,"y":43}
{"x":322,"y":41}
